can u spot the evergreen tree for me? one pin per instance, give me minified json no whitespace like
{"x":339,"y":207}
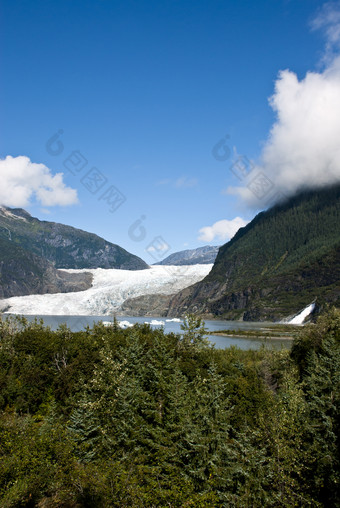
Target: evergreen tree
{"x":85,"y":430}
{"x":194,"y":336}
{"x":322,"y":388}
{"x":207,"y":446}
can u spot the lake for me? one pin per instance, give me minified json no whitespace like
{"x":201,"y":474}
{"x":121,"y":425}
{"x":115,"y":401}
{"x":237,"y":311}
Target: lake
{"x":77,"y":323}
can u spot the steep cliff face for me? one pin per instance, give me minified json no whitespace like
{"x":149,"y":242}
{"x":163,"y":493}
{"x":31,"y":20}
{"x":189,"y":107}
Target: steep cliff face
{"x":284,"y":259}
{"x":64,"y":246}
{"x":146,"y":305}
{"x":23,"y":273}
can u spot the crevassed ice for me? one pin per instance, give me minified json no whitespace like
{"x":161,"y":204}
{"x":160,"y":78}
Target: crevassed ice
{"x":110,"y":288}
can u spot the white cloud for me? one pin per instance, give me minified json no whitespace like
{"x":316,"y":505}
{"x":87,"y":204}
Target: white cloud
{"x":22,"y":181}
{"x":185,"y":183}
{"x":328,"y":21}
{"x":303,"y":149}
{"x":159,"y":247}
{"x":222,"y":230}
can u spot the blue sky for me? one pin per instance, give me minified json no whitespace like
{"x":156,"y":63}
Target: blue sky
{"x":142,"y":92}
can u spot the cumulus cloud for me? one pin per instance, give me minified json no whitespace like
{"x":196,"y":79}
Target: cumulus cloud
{"x":303,"y":149}
{"x":162,"y":247}
{"x":221,"y":230}
{"x":158,"y":245}
{"x":22,"y":181}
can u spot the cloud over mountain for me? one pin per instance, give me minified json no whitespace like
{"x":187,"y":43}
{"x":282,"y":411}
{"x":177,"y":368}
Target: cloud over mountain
{"x":22,"y":181}
{"x":302,"y":149}
{"x":221,"y":230}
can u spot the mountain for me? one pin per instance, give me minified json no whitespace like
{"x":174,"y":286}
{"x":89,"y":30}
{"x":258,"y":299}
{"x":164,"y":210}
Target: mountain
{"x":287,"y":257}
{"x":64,"y":246}
{"x":201,"y":256}
{"x":24,"y":273}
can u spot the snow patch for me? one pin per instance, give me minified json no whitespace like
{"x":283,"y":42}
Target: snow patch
{"x":174,"y":320}
{"x":8,"y":213}
{"x":154,"y":322}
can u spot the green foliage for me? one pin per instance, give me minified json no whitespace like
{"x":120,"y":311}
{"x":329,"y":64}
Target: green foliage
{"x":313,"y":338}
{"x":110,"y":417}
{"x":317,"y":353}
{"x":194,"y":336}
{"x":284,"y":259}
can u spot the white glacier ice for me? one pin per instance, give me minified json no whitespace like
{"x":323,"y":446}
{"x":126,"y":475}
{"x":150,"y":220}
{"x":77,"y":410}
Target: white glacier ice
{"x":124,"y":324}
{"x":110,"y":288}
{"x":155,"y":322}
{"x":121,"y":324}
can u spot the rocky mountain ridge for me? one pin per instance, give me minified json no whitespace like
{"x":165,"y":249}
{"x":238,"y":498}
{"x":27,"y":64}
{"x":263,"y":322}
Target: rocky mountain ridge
{"x":23,"y":273}
{"x":64,"y":246}
{"x":200,"y":256}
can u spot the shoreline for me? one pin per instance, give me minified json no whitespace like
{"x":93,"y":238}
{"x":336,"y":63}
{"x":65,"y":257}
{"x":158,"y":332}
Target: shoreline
{"x":251,"y":336}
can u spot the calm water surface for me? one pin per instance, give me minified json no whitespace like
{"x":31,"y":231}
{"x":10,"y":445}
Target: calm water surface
{"x":77,"y":323}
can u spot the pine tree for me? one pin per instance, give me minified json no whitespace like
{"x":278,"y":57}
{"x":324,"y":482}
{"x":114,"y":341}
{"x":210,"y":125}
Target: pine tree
{"x":322,"y":388}
{"x":317,"y":354}
{"x":283,"y":434}
{"x":194,"y":336}
{"x":84,"y":429}
{"x":92,"y":417}
{"x":207,"y":446}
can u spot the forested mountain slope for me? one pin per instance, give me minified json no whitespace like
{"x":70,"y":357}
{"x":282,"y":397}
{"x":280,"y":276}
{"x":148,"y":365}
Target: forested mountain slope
{"x":280,"y":262}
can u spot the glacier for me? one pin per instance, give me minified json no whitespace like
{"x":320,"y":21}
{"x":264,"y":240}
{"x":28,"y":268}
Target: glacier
{"x":110,"y":288}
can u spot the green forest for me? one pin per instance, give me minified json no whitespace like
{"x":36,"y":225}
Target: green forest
{"x":287,"y":257}
{"x":139,"y":418}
